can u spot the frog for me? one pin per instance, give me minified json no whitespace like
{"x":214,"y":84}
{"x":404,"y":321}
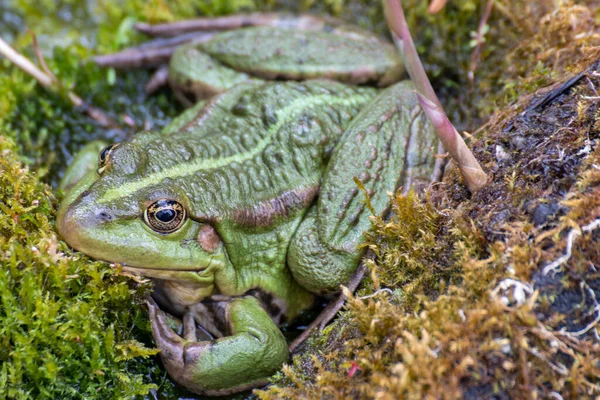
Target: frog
{"x":254,"y":203}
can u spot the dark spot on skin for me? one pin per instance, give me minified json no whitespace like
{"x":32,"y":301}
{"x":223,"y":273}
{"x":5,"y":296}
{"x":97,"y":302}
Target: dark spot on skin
{"x":360,"y":136}
{"x":374,"y":153}
{"x":269,"y":116}
{"x":264,"y":213}
{"x":186,"y":243}
{"x":208,"y":238}
{"x":85,"y":194}
{"x":240,"y":109}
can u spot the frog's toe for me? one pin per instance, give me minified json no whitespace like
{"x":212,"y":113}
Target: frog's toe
{"x":160,"y":328}
{"x":179,"y":355}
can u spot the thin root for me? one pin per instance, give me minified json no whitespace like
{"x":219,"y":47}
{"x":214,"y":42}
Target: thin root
{"x":555,"y":266}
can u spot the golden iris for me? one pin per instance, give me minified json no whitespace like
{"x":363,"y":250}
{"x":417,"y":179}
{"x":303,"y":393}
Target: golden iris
{"x":165,"y":216}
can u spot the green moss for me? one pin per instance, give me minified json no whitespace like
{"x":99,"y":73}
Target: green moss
{"x":66,"y":324}
{"x":409,"y":253}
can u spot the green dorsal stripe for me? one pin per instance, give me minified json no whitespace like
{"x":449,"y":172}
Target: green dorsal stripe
{"x":185,"y":169}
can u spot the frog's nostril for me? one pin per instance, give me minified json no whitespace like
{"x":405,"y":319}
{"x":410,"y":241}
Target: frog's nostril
{"x":104,"y":216}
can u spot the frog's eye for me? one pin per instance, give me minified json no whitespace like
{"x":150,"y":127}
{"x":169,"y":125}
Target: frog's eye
{"x":165,"y":216}
{"x":104,"y":156}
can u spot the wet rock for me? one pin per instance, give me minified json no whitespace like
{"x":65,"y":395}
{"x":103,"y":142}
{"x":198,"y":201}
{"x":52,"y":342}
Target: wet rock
{"x":543,"y":211}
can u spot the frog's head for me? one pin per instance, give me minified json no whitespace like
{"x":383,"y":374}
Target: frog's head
{"x":126,"y":212}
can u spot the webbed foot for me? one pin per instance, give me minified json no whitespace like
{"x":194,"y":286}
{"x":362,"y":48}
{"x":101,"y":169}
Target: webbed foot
{"x":254,"y":349}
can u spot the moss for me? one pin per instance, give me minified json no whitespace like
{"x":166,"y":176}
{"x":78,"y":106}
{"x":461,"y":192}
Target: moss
{"x":409,"y":253}
{"x":65,"y":322}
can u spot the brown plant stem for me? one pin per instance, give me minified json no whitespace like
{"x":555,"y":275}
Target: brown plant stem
{"x":471,"y":171}
{"x":150,"y":54}
{"x":473,"y":174}
{"x":304,"y":21}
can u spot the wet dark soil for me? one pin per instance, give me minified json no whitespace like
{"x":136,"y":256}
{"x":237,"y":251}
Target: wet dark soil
{"x":535,"y":157}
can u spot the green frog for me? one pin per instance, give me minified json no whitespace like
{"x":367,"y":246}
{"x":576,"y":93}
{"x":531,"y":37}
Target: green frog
{"x":250,"y":205}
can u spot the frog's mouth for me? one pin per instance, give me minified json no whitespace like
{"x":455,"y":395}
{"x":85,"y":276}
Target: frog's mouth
{"x":201,"y":276}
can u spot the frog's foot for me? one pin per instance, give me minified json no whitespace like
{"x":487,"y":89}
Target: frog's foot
{"x":244,"y":360}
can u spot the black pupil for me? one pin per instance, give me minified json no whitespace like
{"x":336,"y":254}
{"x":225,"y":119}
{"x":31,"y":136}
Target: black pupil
{"x":105,"y":152}
{"x":165,"y":215}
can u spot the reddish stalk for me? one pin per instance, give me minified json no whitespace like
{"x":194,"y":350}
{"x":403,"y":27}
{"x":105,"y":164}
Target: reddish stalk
{"x":473,"y":174}
{"x":435,"y":6}
{"x":476,"y":55}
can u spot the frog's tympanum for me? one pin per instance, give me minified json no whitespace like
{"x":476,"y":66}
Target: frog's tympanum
{"x":247,"y":207}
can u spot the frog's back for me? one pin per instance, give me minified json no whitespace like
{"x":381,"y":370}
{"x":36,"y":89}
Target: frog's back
{"x":253,"y":143}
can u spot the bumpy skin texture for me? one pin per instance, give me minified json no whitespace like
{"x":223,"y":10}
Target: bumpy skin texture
{"x":387,"y":145}
{"x":264,"y":172}
{"x":249,"y":165}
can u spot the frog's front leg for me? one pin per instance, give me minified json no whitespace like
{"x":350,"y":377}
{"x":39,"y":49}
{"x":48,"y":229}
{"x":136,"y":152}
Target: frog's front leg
{"x":253,"y":350}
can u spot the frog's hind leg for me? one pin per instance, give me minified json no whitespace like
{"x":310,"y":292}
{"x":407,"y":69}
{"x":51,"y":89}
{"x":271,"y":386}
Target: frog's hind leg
{"x":387,"y":145}
{"x":194,"y":75}
{"x":344,"y":54}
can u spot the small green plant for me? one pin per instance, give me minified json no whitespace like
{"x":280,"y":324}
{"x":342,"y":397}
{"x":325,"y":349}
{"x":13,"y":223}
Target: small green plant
{"x":66,"y":324}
